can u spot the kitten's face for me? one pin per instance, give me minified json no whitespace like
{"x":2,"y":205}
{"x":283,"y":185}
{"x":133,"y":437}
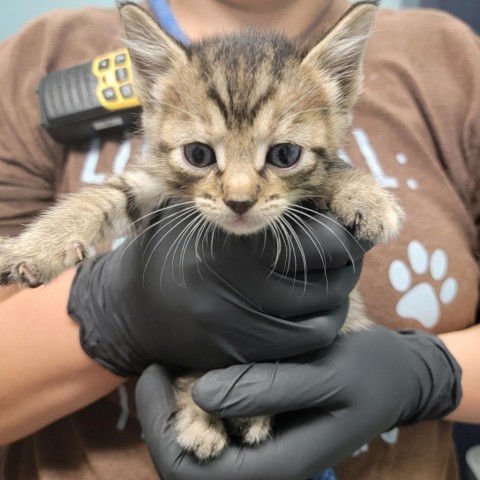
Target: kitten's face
{"x":245,"y":125}
{"x":244,"y":140}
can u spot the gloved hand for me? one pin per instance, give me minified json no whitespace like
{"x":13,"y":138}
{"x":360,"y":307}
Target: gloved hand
{"x":185,"y":299}
{"x":337,"y":399}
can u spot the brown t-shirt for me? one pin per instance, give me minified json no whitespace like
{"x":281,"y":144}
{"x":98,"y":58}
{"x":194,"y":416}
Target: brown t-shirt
{"x":416,"y":129}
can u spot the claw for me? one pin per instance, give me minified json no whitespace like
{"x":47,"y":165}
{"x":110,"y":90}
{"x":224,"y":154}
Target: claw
{"x":358,"y":219}
{"x":80,"y":251}
{"x":26,"y":275}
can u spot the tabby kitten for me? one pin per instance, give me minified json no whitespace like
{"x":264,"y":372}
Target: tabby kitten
{"x":245,"y":127}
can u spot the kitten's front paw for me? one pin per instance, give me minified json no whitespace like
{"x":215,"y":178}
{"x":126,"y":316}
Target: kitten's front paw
{"x":30,"y":263}
{"x":200,"y":433}
{"x":251,"y":430}
{"x":370,"y":212}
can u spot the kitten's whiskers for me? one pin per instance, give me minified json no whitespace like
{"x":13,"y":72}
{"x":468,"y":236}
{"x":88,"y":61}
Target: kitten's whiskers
{"x":176,"y":216}
{"x":282,"y":224}
{"x":153,"y":225}
{"x":329,"y":229}
{"x":198,"y":229}
{"x":302,"y":253}
{"x":186,"y":214}
{"x":283,"y":236}
{"x":333,"y":221}
{"x":278,"y":248}
{"x":186,"y":230}
{"x":154,"y":212}
{"x":309,"y":232}
{"x":311,"y":235}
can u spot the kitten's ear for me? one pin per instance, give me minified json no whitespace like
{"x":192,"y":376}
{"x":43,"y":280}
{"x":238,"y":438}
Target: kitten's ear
{"x":340,"y":53}
{"x":153,"y":52}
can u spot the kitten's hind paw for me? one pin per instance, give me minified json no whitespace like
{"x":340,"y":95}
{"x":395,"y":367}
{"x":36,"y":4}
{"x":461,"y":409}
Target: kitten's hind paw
{"x":200,"y":434}
{"x":251,"y":430}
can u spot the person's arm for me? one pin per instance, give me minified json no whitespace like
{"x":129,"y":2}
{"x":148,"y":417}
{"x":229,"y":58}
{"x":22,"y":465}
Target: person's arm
{"x":44,"y":373}
{"x":8,"y":291}
{"x":464,"y":346}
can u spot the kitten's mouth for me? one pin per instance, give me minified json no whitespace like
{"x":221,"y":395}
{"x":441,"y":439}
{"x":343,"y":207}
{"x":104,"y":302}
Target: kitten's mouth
{"x":243,"y":225}
{"x":246,"y":223}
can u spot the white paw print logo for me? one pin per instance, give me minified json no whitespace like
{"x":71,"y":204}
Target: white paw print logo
{"x":421,"y":302}
{"x":390,"y":438}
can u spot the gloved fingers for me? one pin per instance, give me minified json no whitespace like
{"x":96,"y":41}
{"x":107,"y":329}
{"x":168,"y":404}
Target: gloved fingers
{"x":156,"y":407}
{"x":302,"y":443}
{"x":253,"y":337}
{"x":262,"y":388}
{"x":319,"y":439}
{"x":282,"y":339}
{"x":244,"y":280}
{"x":347,"y":371}
{"x":303,"y":293}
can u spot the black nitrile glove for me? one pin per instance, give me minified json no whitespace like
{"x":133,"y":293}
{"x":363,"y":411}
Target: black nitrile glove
{"x":204,"y":302}
{"x":338,"y":399}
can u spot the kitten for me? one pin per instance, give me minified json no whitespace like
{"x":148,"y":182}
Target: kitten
{"x":246,"y":126}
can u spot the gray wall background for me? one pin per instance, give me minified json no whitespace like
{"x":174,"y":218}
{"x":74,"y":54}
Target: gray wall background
{"x":468,"y":10}
{"x":16,"y":13}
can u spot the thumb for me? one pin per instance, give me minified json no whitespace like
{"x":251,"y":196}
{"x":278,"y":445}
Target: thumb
{"x":264,"y":388}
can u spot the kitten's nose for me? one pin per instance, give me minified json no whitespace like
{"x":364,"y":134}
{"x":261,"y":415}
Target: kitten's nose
{"x":239,"y":207}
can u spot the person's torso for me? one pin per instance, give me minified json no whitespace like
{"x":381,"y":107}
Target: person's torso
{"x":427,"y":278}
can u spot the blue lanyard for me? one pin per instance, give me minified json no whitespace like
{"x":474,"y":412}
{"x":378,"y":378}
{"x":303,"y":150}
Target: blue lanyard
{"x":164,"y":15}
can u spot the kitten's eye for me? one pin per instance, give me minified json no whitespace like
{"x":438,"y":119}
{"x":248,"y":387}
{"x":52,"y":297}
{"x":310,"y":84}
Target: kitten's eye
{"x":199,"y":154}
{"x":284,"y":155}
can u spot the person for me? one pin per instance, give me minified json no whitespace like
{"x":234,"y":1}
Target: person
{"x":416,"y":139}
